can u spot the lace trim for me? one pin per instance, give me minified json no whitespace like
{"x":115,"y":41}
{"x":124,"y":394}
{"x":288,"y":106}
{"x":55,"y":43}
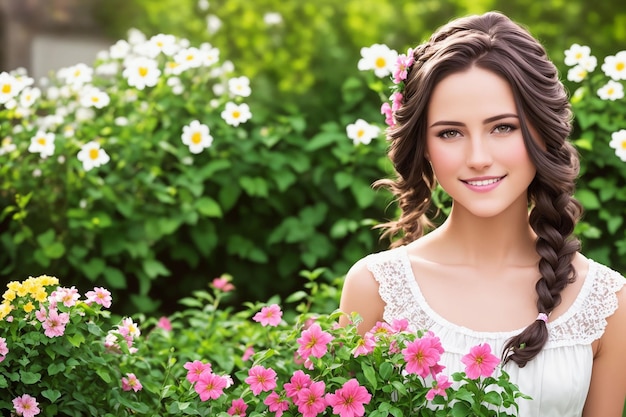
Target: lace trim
{"x":582,"y":323}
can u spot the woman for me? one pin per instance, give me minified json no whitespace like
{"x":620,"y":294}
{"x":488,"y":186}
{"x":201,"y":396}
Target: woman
{"x":483,"y":114}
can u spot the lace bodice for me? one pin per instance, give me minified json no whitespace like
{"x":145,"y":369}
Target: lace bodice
{"x":558,"y":378}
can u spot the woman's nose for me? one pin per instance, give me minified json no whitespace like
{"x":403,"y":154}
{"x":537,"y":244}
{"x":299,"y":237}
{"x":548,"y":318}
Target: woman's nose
{"x":478,"y":154}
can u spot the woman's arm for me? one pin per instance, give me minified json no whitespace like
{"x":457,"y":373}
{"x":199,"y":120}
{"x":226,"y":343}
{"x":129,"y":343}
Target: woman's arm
{"x":608,"y":379}
{"x":360,"y":295}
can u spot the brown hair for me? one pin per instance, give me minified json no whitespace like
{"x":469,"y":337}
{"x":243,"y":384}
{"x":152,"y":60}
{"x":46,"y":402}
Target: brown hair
{"x":493,"y":42}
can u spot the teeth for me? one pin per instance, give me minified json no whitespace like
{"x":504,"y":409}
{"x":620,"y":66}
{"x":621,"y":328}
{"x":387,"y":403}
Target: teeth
{"x":483,"y":182}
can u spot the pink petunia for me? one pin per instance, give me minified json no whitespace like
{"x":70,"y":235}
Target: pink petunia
{"x":247,"y":354}
{"x":365,"y":345}
{"x":67,"y":296}
{"x":269,"y":315}
{"x":4,"y":349}
{"x":480,"y":361}
{"x":165,"y":324}
{"x":41,"y":314}
{"x":310,"y":401}
{"x":381,"y":329}
{"x":261,"y":379}
{"x":402,"y":65}
{"x":238,"y":408}
{"x":298,"y":381}
{"x":386,"y":111}
{"x":314,"y":341}
{"x":400,"y":325}
{"x":439,"y":387}
{"x":26,"y":406}
{"x":348,"y":400}
{"x":210,"y":385}
{"x":422,"y":354}
{"x":276,"y":404}
{"x":54,"y":325}
{"x":130,"y":381}
{"x":195,"y":369}
{"x":223,"y":284}
{"x":100,"y":296}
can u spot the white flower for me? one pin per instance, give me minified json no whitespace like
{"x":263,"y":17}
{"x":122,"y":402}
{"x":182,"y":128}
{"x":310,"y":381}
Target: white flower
{"x":176,"y":85}
{"x":53,"y":93}
{"x":120,"y":49}
{"x":161,"y":43}
{"x":42,"y":143}
{"x":189,"y":58}
{"x":135,"y":36}
{"x":29,"y":96}
{"x":589,"y":63}
{"x":84,"y":114}
{"x":618,"y":142}
{"x":213,"y":24}
{"x":235,"y":114}
{"x":379,"y":58}
{"x":36,"y":172}
{"x":577,"y":73}
{"x":121,"y":121}
{"x":9,"y":87}
{"x":7,"y":146}
{"x":76,"y":75}
{"x":614,"y":66}
{"x":239,"y":86}
{"x":196,"y":136}
{"x":93,"y":97}
{"x":218,"y":89}
{"x":576,"y":54}
{"x":362,"y":132}
{"x":203,"y":5}
{"x":107,"y":69}
{"x":92,"y":156}
{"x":612,"y":90}
{"x":272,"y":18}
{"x":142,"y":72}
{"x":209,"y":54}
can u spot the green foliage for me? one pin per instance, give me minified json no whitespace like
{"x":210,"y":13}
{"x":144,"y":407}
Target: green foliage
{"x":263,"y":201}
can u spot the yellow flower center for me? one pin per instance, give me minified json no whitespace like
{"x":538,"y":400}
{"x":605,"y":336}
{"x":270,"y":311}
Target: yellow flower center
{"x":236,"y":114}
{"x":143,"y":71}
{"x":624,"y":144}
{"x":381,"y":62}
{"x":360,"y":133}
{"x":41,"y":141}
{"x":579,"y":55}
{"x":93,"y":153}
{"x":620,"y":66}
{"x":196,"y":138}
{"x":6,"y":88}
{"x":95,"y":99}
{"x":610,"y":91}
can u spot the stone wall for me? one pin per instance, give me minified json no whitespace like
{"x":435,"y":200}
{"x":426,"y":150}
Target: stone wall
{"x":45,"y":35}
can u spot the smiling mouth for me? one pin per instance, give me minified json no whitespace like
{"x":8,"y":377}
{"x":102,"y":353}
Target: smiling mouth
{"x":482,"y":183}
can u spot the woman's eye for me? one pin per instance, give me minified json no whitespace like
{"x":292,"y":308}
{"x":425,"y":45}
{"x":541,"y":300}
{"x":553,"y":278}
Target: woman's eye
{"x":449,"y":134}
{"x":503,"y":129}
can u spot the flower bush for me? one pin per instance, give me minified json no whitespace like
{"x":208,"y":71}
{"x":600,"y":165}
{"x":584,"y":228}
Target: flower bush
{"x":60,"y":356}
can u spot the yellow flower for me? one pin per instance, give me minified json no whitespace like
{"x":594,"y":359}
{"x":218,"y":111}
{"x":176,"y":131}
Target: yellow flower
{"x":9,"y":295}
{"x":40,"y":295}
{"x":5,"y":309}
{"x":29,"y":307}
{"x":46,"y":280}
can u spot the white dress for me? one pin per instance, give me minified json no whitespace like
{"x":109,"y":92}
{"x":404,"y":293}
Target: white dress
{"x":557,"y":378}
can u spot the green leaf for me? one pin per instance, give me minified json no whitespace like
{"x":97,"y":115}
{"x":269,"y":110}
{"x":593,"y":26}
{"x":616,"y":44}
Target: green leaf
{"x":76,"y":339}
{"x":588,"y":199}
{"x":386,"y":369}
{"x":55,"y":368}
{"x":114,"y":278}
{"x":343,"y":180}
{"x":29,"y":377}
{"x":461,"y":410}
{"x":208,"y":207}
{"x":370,"y":375}
{"x":154,"y":268}
{"x":51,"y":394}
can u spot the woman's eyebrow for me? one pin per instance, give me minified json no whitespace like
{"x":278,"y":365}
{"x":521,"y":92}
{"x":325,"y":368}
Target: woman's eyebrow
{"x":486,"y":121}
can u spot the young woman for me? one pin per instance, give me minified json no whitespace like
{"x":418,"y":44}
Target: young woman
{"x":484,"y":114}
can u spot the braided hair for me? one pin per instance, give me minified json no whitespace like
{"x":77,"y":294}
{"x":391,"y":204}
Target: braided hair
{"x":495,"y":43}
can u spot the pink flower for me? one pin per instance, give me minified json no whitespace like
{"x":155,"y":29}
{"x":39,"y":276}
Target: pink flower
{"x":365,"y":345}
{"x":54,"y":325}
{"x":130,"y":381}
{"x":439,"y":387}
{"x":399,"y":325}
{"x":381,"y":329}
{"x":269,"y":315}
{"x":396,"y":101}
{"x":385,"y":110}
{"x":223,"y":283}
{"x":210,"y":385}
{"x":238,"y":408}
{"x":298,"y":381}
{"x":313,"y":341}
{"x":480,"y":362}
{"x":276,"y":404}
{"x":311,"y":400}
{"x":41,"y":314}
{"x":422,"y":354}
{"x":261,"y":379}
{"x":348,"y":400}
{"x":100,"y":296}
{"x":247,"y":354}
{"x":67,"y":296}
{"x":4,"y":349}
{"x":195,"y":369}
{"x":26,"y":406}
{"x":403,"y":63}
{"x":165,"y":324}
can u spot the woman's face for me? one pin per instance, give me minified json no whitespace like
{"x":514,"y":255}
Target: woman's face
{"x":475,"y":144}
